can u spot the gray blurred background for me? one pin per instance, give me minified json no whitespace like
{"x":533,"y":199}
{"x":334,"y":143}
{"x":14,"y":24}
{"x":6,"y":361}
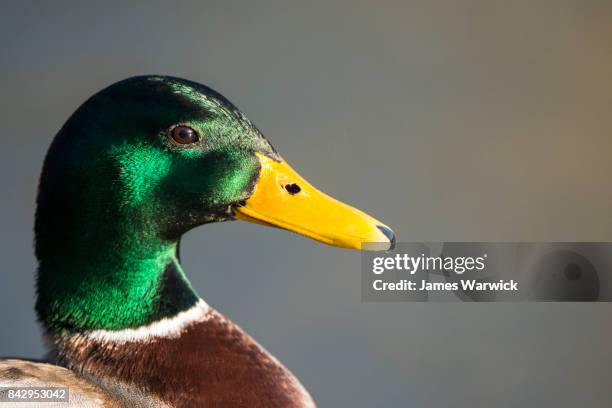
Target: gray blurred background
{"x":448,"y":120}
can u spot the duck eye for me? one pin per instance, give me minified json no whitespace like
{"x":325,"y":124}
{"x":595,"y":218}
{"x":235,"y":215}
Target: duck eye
{"x":184,"y":135}
{"x":292,"y":188}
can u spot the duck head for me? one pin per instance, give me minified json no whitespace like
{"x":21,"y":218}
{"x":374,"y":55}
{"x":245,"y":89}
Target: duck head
{"x":147,"y":159}
{"x":176,"y":154}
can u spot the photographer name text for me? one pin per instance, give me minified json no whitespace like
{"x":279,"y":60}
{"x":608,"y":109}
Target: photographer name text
{"x":440,"y":265}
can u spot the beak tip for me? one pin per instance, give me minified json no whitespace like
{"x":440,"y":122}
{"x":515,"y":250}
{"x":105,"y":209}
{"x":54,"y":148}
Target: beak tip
{"x":388,"y":232}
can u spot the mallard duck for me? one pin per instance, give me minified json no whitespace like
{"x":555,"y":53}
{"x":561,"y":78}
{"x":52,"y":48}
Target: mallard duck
{"x":135,"y":167}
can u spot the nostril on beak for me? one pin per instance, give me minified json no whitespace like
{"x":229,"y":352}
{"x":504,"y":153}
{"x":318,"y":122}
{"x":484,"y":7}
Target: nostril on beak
{"x":292,"y":188}
{"x":389,"y":234}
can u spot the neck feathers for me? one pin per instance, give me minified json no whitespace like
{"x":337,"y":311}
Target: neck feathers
{"x":197,"y":358}
{"x":166,"y":327}
{"x":112,"y":295}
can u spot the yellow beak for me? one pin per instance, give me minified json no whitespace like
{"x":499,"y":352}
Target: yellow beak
{"x":283,"y":199}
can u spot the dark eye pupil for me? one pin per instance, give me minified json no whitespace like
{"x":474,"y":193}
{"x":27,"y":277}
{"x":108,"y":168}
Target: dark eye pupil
{"x":184,"y":135}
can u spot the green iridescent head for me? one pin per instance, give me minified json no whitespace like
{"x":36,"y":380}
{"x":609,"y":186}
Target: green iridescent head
{"x":135,"y":167}
{"x":118,"y":156}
